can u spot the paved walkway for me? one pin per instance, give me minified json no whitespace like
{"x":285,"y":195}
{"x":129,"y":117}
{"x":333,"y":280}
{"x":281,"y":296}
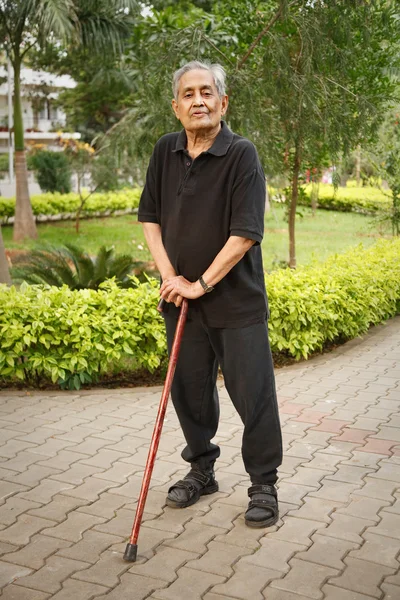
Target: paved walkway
{"x":71,"y":467}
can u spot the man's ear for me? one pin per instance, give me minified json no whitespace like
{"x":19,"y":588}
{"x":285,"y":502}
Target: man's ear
{"x":225,"y":102}
{"x":175,"y":108}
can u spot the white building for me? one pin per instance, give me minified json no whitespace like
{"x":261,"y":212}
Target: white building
{"x":42,"y":117}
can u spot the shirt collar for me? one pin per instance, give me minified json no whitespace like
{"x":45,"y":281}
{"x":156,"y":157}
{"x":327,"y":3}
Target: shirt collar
{"x":220,"y":146}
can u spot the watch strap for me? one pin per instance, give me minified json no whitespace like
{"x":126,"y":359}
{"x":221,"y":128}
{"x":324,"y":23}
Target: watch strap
{"x":206,"y":288}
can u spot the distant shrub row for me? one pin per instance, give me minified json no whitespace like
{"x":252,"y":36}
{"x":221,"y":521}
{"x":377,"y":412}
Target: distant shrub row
{"x":365,"y":200}
{"x":67,"y":204}
{"x":73,"y":337}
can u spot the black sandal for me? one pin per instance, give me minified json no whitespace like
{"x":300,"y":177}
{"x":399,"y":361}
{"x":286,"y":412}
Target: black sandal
{"x":267,"y":500}
{"x":195,"y":484}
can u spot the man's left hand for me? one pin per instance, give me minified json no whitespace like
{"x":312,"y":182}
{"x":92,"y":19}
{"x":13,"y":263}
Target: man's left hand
{"x":179,"y":286}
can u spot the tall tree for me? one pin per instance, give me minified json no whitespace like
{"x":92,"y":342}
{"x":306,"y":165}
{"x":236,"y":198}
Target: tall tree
{"x":4,"y":272}
{"x":27,"y":24}
{"x":308,"y":80}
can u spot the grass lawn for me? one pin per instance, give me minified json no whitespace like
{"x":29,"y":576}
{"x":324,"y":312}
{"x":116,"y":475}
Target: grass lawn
{"x":317,"y":237}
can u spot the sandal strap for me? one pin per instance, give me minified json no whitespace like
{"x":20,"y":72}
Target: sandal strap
{"x":263,"y":488}
{"x":184,"y":484}
{"x":199,"y":476}
{"x":268,"y":502}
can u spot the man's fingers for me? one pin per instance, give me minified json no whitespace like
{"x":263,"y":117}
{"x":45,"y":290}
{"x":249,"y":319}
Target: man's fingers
{"x":178,"y":301}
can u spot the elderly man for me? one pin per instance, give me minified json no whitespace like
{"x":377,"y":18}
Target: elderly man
{"x":202,"y":210}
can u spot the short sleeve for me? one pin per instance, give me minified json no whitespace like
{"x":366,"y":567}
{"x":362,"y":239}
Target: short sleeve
{"x":248,"y":198}
{"x":148,"y":207}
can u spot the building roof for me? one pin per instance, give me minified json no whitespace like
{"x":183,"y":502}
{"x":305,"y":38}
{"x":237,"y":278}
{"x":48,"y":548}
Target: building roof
{"x":31,"y":78}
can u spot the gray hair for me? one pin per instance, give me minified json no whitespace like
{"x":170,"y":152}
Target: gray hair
{"x":217,"y":71}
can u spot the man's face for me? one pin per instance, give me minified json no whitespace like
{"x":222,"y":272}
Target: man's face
{"x":199,"y":107}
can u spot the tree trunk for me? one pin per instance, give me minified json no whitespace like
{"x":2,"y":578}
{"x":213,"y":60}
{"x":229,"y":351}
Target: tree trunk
{"x":358,"y":165}
{"x":293,"y":205}
{"x":24,"y":223}
{"x":314,"y":197}
{"x":4,"y":272}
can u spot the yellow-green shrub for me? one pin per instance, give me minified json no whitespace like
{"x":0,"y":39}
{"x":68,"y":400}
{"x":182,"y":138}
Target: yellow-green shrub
{"x":54,"y":204}
{"x":365,"y":200}
{"x":336,"y":300}
{"x":73,"y":336}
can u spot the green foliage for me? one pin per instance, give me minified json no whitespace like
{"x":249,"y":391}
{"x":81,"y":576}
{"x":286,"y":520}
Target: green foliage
{"x":73,"y":337}
{"x":71,"y":266}
{"x":333,"y":301}
{"x":67,"y":204}
{"x":52,"y":169}
{"x":366,"y":200}
{"x":4,"y":162}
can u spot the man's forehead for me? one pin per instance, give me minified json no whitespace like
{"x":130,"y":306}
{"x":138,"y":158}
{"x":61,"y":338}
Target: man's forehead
{"x":197,"y":78}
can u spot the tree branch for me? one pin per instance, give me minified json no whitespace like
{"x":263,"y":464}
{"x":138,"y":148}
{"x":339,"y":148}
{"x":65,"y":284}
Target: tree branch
{"x":262,"y":33}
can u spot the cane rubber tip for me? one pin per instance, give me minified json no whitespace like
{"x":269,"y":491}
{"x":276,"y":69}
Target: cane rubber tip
{"x":130,"y":552}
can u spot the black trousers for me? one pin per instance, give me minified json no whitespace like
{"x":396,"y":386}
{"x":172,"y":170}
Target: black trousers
{"x":245,"y":358}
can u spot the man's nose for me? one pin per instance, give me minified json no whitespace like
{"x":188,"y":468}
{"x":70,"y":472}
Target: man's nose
{"x":198,"y":99}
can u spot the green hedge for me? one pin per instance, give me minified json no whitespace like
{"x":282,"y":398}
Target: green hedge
{"x":55,"y":204}
{"x":72,"y":336}
{"x":366,"y":200}
{"x":333,"y":301}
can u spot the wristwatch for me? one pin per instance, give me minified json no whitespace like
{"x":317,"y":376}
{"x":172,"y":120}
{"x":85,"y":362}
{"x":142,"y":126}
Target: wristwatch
{"x":206,"y":288}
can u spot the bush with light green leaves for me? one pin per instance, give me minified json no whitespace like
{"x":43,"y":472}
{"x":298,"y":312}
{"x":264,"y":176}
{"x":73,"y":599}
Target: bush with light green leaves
{"x":49,"y":204}
{"x":73,"y":337}
{"x":333,"y":301}
{"x":366,"y":200}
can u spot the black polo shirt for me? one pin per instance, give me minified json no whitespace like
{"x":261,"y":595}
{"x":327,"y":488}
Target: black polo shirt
{"x":199,"y":204}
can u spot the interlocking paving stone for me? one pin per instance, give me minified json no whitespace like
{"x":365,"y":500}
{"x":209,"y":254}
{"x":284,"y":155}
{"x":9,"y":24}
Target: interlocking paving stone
{"x":90,"y":547}
{"x":25,"y":527}
{"x":305,"y":578}
{"x":77,"y":474}
{"x":316,"y":509}
{"x":21,"y":461}
{"x":241,"y":535}
{"x":361,"y":578}
{"x":378,"y":549}
{"x":364,"y":508}
{"x":34,"y":554}
{"x":345,"y":527}
{"x":50,"y":577}
{"x":79,"y":590}
{"x":220,"y":515}
{"x":45,"y":491}
{"x":15,"y":592}
{"x":334,"y":593}
{"x":338,"y":486}
{"x":10,"y":573}
{"x":293,"y":493}
{"x":58,"y":509}
{"x":391,"y":592}
{"x":218,"y":559}
{"x":247,"y":582}
{"x":189,"y":584}
{"x":165,"y":563}
{"x":296,"y":530}
{"x":389,"y":526}
{"x":378,"y":488}
{"x":273,"y":554}
{"x":73,"y":527}
{"x":134,"y":587}
{"x":195,"y":537}
{"x":13,"y":507}
{"x":105,"y":571}
{"x":335,"y":490}
{"x":327,"y":551}
{"x":32,"y":476}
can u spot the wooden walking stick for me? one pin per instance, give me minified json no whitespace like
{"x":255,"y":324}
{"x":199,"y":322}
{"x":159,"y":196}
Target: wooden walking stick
{"x":131,"y":547}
